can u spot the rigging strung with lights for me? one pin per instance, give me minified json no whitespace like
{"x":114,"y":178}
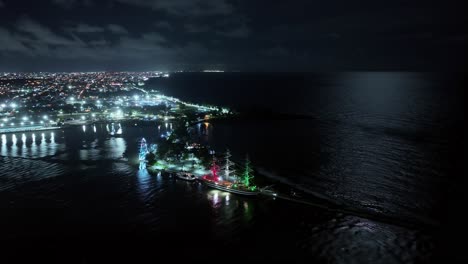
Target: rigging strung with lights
{"x":227,"y":168}
{"x":247,"y":176}
{"x":142,"y":154}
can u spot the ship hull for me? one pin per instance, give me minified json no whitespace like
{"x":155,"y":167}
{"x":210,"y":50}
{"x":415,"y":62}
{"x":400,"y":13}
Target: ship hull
{"x":231,"y":190}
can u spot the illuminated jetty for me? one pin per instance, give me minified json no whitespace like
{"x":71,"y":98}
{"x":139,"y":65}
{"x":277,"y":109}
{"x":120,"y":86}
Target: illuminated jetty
{"x":27,"y":129}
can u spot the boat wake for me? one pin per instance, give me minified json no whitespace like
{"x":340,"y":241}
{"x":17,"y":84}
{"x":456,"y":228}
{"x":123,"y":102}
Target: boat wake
{"x":329,"y":203}
{"x":296,"y":186}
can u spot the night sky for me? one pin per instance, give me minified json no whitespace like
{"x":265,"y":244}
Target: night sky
{"x":244,"y":35}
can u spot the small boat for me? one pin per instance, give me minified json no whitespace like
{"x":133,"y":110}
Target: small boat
{"x":268,"y":191}
{"x":186,"y":176}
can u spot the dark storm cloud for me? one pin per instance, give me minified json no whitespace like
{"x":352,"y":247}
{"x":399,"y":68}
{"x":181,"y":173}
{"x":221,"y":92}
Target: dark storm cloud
{"x":35,"y":33}
{"x":72,"y":3}
{"x":185,"y":7}
{"x":117,"y":29}
{"x":11,"y":42}
{"x":85,"y":28}
{"x":82,"y":28}
{"x":194,"y":28}
{"x":100,"y":42}
{"x":35,"y":40}
{"x":64,"y":3}
{"x":164,"y":25}
{"x":240,"y":34}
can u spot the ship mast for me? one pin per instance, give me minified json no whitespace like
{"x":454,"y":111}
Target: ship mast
{"x":143,"y":153}
{"x":228,"y":166}
{"x":214,"y":170}
{"x":143,"y":150}
{"x":248,"y":173}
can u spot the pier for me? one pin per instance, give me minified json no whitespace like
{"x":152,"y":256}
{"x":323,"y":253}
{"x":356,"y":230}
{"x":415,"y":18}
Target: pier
{"x":27,"y":129}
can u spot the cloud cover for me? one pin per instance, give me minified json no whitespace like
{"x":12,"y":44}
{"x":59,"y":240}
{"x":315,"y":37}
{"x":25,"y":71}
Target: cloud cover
{"x":242,"y":35}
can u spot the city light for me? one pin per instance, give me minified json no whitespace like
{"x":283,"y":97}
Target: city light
{"x":111,"y":97}
{"x":118,"y":114}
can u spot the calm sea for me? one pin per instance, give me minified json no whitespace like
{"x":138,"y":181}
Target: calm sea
{"x":383,"y":148}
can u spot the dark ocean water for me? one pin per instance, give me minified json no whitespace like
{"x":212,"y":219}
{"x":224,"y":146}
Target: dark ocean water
{"x":387,"y":142}
{"x":385,"y":147}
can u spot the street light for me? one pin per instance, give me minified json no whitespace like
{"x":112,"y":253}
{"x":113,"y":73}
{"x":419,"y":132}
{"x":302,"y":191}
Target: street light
{"x":45,"y":117}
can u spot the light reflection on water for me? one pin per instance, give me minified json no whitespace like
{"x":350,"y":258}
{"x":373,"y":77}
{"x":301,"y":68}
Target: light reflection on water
{"x":4,"y":144}
{"x":144,"y":184}
{"x":27,"y":145}
{"x":352,"y":161}
{"x":115,"y":181}
{"x":62,"y":143}
{"x":117,"y":147}
{"x":215,"y":199}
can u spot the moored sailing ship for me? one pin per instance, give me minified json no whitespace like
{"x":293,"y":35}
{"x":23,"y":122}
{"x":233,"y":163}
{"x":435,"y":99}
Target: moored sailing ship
{"x":225,"y":178}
